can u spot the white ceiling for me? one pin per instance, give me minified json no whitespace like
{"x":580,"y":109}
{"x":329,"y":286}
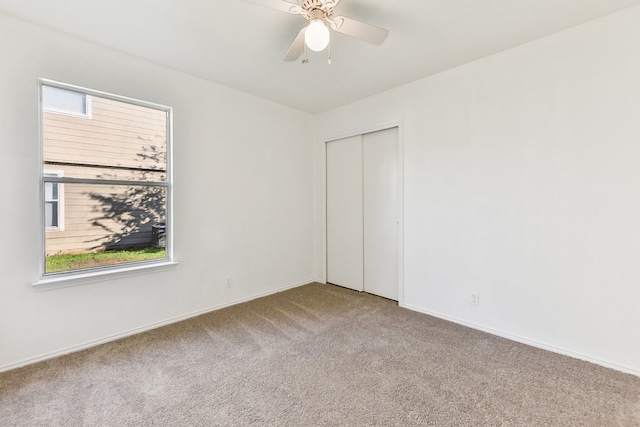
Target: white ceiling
{"x":241,"y":45}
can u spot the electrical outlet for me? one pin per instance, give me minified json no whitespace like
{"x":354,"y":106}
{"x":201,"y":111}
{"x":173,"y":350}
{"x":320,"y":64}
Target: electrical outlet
{"x":475,"y":299}
{"x":229,"y":282}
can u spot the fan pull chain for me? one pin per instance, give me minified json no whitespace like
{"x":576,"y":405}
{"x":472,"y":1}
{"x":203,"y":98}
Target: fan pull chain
{"x":329,"y":50}
{"x":305,"y":59}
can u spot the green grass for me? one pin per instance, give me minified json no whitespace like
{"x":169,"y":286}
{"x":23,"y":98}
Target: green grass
{"x":67,"y":262}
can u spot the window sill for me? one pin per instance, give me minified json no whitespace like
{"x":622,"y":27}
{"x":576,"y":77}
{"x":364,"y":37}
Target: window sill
{"x":47,"y":283}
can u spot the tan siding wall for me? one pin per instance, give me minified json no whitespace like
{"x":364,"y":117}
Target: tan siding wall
{"x":116,"y":134}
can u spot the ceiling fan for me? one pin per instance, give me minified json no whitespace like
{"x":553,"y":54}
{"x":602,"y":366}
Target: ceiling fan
{"x":319,"y":15}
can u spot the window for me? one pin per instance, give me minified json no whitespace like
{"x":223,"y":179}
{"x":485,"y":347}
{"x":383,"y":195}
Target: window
{"x":53,"y":202}
{"x":66,"y":101}
{"x":106,"y":181}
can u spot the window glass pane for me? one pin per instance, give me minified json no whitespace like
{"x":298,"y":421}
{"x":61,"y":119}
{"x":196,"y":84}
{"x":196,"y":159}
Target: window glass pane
{"x":120,"y":144}
{"x":108,"y":225}
{"x":51,"y":214}
{"x":48,"y":191}
{"x":54,"y":214}
{"x":63,"y":100}
{"x":120,"y":141}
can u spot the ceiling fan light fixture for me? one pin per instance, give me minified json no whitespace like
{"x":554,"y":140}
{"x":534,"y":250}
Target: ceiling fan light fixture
{"x":317,"y":36}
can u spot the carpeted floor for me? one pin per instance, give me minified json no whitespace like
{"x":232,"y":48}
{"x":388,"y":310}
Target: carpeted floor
{"x":317,"y":355}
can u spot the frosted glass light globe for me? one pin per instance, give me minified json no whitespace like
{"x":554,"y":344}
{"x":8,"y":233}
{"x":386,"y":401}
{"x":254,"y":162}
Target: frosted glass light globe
{"x":316,"y":36}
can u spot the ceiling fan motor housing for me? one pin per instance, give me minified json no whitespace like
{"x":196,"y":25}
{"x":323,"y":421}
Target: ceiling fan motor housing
{"x":313,"y":5}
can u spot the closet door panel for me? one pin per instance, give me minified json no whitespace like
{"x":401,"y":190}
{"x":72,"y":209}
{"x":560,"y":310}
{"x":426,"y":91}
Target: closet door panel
{"x":344,"y":213}
{"x":381,"y":200}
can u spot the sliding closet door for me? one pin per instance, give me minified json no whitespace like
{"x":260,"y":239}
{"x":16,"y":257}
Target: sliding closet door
{"x":381,"y":217}
{"x":344,"y":213}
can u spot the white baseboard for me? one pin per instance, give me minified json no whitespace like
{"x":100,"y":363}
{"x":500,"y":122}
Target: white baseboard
{"x":149,"y":327}
{"x":522,"y":340}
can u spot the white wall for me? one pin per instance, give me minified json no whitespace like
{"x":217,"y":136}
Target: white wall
{"x":243,"y":198}
{"x":522,"y":184}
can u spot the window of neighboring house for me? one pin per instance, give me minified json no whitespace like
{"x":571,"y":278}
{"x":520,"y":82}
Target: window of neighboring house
{"x":111,"y":156}
{"x":53,"y":202}
{"x":61,"y":100}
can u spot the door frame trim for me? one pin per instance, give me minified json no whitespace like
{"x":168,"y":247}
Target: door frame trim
{"x":399,"y":123}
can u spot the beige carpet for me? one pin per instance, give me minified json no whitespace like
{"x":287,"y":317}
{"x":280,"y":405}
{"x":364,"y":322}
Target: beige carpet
{"x":317,"y":355}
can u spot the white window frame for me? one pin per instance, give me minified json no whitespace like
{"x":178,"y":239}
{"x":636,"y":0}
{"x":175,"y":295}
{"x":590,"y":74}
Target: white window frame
{"x":78,"y":277}
{"x":88,"y":105}
{"x":49,"y":173}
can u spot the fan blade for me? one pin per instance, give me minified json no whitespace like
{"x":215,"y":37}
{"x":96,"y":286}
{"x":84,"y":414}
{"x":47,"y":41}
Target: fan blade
{"x":359,"y":30}
{"x":281,"y":5}
{"x":296,"y":48}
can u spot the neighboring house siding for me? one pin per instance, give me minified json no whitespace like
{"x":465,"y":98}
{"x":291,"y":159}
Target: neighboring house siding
{"x":117,"y":141}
